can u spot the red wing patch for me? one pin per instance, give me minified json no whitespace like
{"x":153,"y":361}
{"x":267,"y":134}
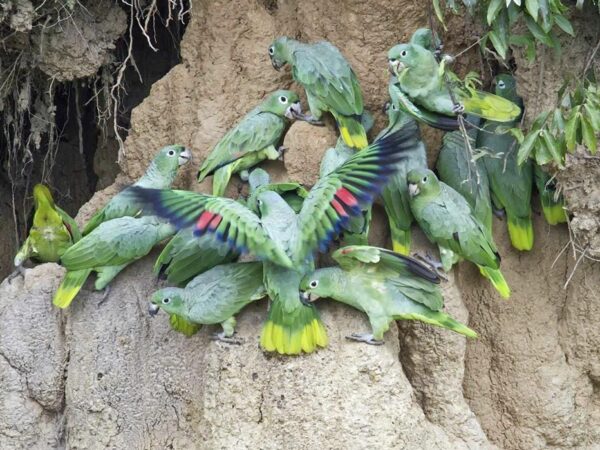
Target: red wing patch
{"x":339,"y":208}
{"x":346,"y":197}
{"x":204,"y":220}
{"x":214,"y":223}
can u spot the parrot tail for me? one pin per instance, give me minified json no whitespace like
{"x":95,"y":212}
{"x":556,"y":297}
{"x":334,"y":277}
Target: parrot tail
{"x":290,"y":333}
{"x":497,"y":279}
{"x":440,"y":319}
{"x":490,"y":106}
{"x":69,"y":287}
{"x":520,"y":230}
{"x":553,"y":211}
{"x":400,"y":239}
{"x":352,"y":131}
{"x":221,"y":179}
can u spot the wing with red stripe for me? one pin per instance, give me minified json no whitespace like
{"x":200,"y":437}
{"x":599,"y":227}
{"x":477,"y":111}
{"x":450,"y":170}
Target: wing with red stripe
{"x":349,"y":189}
{"x":224,"y":218}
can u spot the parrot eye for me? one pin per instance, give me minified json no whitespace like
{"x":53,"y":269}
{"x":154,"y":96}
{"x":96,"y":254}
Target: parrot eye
{"x":501,"y":84}
{"x":313,"y":284}
{"x":271,"y":50}
{"x":283,"y":99}
{"x":171,"y":152}
{"x":394,"y":107}
{"x":424,"y":179}
{"x":259,"y":202}
{"x":166,"y":301}
{"x":403,"y":53}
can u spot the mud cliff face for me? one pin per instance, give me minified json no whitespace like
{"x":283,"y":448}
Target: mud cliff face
{"x":108,"y":376}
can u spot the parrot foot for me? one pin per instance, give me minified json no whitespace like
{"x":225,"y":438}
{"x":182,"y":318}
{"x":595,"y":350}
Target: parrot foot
{"x":18,"y":272}
{"x":432,"y":262}
{"x":367,"y":338}
{"x":281,"y":150}
{"x":499,"y":213}
{"x":309,"y":118}
{"x":105,"y":293}
{"x":222,"y":337}
{"x":458,"y":108}
{"x":244,"y":175}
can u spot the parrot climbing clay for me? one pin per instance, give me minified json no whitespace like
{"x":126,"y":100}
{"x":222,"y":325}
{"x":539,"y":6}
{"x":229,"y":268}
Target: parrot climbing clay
{"x":107,"y":250}
{"x":386,"y":286}
{"x":510,"y":183}
{"x":455,"y":167}
{"x":285,"y":240}
{"x":447,"y":219}
{"x":52,"y":233}
{"x":252,"y":140}
{"x":160,"y":175}
{"x":553,"y":203}
{"x":421,"y":78}
{"x":213,"y":297}
{"x":329,"y":81}
{"x":395,"y":194}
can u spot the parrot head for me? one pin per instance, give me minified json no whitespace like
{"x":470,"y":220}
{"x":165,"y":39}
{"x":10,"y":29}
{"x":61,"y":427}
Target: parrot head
{"x":402,"y":57}
{"x":42,"y":195}
{"x":279,"y":52}
{"x":318,"y":284}
{"x":283,"y":103}
{"x":270,"y":203}
{"x":422,"y":182}
{"x":169,"y":158}
{"x":168,"y":299}
{"x":258,"y":177}
{"x":506,"y":86}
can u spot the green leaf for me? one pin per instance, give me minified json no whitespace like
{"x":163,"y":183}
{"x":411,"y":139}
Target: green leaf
{"x":545,"y":13}
{"x":564,"y":24}
{"x":438,"y":12}
{"x":571,"y":129}
{"x":498,"y":43}
{"x":558,"y":122}
{"x":542,"y":155}
{"x":493,"y":10}
{"x":593,"y":115}
{"x":588,"y":135}
{"x":553,"y":147}
{"x":537,"y":32}
{"x":518,"y":134}
{"x":527,"y":146}
{"x":540,"y":120}
{"x":533,"y":7}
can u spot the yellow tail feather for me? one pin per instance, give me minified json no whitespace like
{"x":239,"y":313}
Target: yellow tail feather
{"x":352,"y":131}
{"x":69,"y":287}
{"x":401,"y":240}
{"x":490,"y":107}
{"x":497,"y":279}
{"x":555,"y":214}
{"x":520,"y":231}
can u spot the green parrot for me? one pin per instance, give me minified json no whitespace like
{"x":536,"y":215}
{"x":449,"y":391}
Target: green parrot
{"x":52,"y":233}
{"x":329,"y":81}
{"x":107,"y":250}
{"x":387,"y":286}
{"x":283,"y":239}
{"x":510,"y":183}
{"x":424,"y":37}
{"x":160,"y":175}
{"x":213,"y":297}
{"x":447,"y":219}
{"x":252,"y":140}
{"x":455,"y":168}
{"x":421,"y":78}
{"x":553,"y":203}
{"x":395,"y":194}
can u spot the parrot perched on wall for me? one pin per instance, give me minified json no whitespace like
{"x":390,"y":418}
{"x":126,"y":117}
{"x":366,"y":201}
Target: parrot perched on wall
{"x":510,"y":183}
{"x":213,"y":297}
{"x":455,"y":168}
{"x":421,"y":78}
{"x":107,"y":250}
{"x":386,"y":286}
{"x":160,"y":174}
{"x":284,"y":240}
{"x":447,"y":219}
{"x":395,"y":194}
{"x":52,"y":233}
{"x":553,"y":203}
{"x":254,"y":139}
{"x":329,"y":81}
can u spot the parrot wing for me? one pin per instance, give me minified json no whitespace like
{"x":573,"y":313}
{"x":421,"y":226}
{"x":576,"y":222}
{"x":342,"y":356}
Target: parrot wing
{"x":293,"y":193}
{"x":348,"y":190}
{"x":325,"y":73}
{"x":223,"y":218}
{"x":116,"y":242}
{"x":118,"y":206}
{"x":489,"y":106}
{"x":254,"y":133}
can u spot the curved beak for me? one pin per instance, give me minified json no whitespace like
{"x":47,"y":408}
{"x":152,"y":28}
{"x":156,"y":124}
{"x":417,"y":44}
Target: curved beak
{"x":305,"y":298}
{"x":294,"y":111}
{"x":395,"y":66}
{"x":153,"y":309}
{"x":185,"y":156}
{"x":413,"y":189}
{"x":276,"y":64}
{"x":385,"y":107}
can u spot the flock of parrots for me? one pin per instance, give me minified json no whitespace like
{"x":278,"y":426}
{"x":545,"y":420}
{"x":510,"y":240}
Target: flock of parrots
{"x":282,"y":225}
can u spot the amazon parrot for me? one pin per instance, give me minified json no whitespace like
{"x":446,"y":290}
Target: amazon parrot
{"x":510,"y":183}
{"x":456,"y":168}
{"x":52,"y":233}
{"x":213,"y":297}
{"x":395,"y":194}
{"x":107,"y":250}
{"x":421,"y":78}
{"x":284,"y":240}
{"x":447,"y":220}
{"x":553,"y":203}
{"x":329,"y":81}
{"x":160,"y":174}
{"x":387,"y":286}
{"x":254,"y":139}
